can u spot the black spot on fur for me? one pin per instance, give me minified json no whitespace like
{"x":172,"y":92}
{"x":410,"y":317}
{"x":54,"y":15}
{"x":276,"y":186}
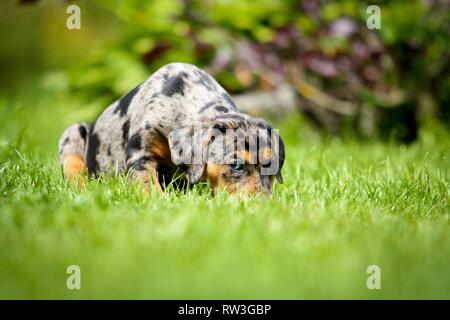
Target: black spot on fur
{"x":92,"y":151}
{"x":83,"y":132}
{"x":228,"y":99}
{"x":262,"y":125}
{"x":66,"y":141}
{"x":140,"y":164}
{"x":109,"y":151}
{"x":134,"y":145}
{"x":125,"y":130}
{"x":174,"y":84}
{"x":63,"y":144}
{"x":219,"y":127}
{"x":247,"y":144}
{"x":221,"y":109}
{"x":158,"y":132}
{"x":205,"y":80}
{"x":230,"y":116}
{"x":168,"y":175}
{"x":124,"y":102}
{"x":208,"y":105}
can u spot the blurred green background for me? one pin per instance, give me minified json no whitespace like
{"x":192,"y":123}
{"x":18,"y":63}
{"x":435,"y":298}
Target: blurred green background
{"x":342,"y":76}
{"x":364,"y":115}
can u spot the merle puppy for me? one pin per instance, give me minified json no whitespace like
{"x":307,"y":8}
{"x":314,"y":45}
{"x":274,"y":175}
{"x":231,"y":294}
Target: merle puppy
{"x":153,"y":131}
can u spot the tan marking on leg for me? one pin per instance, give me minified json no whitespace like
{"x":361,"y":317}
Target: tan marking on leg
{"x":148,"y":177}
{"x":74,"y":169}
{"x":73,"y":166}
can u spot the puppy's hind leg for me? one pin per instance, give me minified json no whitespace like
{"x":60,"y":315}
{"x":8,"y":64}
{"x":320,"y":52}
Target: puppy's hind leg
{"x":72,"y":146}
{"x":140,"y":158}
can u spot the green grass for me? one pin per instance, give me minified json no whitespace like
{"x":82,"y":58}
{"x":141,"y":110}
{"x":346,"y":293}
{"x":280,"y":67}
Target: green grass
{"x":345,"y":205}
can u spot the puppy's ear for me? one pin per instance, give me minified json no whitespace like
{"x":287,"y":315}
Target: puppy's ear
{"x":281,"y":155}
{"x":278,"y":152}
{"x":279,"y":177}
{"x":187,"y":150}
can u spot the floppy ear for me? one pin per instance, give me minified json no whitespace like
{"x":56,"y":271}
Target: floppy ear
{"x":280,"y":177}
{"x":279,"y":145}
{"x":186,"y":150}
{"x":276,"y":144}
{"x":280,"y":159}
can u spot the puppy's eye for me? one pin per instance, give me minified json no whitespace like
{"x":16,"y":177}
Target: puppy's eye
{"x":237,"y":166}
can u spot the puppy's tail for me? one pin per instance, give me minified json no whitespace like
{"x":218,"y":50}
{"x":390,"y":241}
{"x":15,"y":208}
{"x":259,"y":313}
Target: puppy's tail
{"x":71,"y":150}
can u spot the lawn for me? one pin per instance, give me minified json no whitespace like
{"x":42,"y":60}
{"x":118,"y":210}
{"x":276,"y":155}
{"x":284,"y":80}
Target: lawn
{"x":345,"y":204}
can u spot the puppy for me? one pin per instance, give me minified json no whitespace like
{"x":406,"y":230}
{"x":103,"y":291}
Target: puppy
{"x":179,"y":120}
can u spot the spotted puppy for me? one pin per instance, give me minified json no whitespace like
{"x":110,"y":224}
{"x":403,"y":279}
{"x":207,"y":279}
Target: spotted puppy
{"x":153,"y":130}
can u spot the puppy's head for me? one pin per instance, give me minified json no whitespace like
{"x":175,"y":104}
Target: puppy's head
{"x":241,"y":155}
